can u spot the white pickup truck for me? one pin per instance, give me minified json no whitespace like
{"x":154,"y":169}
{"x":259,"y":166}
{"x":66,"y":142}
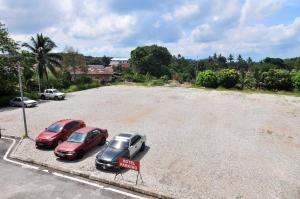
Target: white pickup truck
{"x":52,"y":94}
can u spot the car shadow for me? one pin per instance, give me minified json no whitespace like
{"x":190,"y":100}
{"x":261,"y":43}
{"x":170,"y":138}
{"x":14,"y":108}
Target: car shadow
{"x":88,"y":154}
{"x":138,"y":156}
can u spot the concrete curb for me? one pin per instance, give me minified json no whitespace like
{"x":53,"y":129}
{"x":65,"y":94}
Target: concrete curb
{"x":92,"y":177}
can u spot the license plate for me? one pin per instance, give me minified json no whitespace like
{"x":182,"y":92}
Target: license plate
{"x":40,"y":144}
{"x":60,"y":154}
{"x":103,"y":167}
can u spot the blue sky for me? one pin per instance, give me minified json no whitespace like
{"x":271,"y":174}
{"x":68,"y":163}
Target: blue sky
{"x":192,"y":28}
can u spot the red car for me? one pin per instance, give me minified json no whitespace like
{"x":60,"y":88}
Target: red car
{"x":58,"y":132}
{"x":80,"y":142}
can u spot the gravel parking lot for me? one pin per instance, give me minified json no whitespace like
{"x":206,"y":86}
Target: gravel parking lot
{"x":201,"y":144}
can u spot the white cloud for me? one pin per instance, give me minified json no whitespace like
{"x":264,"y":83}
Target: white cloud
{"x":254,"y":10}
{"x":184,"y":11}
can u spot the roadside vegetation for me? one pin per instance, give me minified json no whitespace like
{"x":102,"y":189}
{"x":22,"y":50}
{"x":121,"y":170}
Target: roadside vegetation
{"x":149,"y":66}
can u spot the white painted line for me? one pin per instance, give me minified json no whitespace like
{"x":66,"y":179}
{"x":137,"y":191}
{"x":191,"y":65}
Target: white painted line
{"x":124,"y":193}
{"x":78,"y":180}
{"x":62,"y":175}
{"x":15,"y":162}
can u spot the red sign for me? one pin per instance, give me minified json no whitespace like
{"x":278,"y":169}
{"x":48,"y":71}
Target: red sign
{"x":129,"y":164}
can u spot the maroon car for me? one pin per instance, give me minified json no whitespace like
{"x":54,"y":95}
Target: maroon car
{"x":80,"y":142}
{"x":58,"y":132}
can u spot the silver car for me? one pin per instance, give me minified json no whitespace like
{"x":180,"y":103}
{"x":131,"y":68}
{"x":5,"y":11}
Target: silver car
{"x":17,"y":101}
{"x":125,"y":145}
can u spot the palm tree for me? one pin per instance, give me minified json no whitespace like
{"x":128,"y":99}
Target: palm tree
{"x":41,"y":47}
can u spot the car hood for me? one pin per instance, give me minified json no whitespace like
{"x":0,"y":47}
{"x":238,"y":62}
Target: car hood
{"x":110,"y":154}
{"x":59,"y":93}
{"x":46,"y":135}
{"x":68,"y":146}
{"x":30,"y":101}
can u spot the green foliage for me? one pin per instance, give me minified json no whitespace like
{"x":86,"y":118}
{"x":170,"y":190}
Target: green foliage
{"x":41,"y":48}
{"x":72,"y":59}
{"x":249,"y":81}
{"x":7,"y":44}
{"x":83,"y":86}
{"x":150,"y":59}
{"x":207,"y":78}
{"x":4,"y":100}
{"x":228,"y":78}
{"x":277,"y":79}
{"x":296,"y":80}
{"x":106,"y":60}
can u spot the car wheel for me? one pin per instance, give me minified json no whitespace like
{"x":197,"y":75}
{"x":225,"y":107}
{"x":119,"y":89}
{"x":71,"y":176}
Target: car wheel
{"x":59,"y":142}
{"x":80,"y":154}
{"x":43,"y":97}
{"x":143,"y":147}
{"x":56,"y":98}
{"x":103,"y":141}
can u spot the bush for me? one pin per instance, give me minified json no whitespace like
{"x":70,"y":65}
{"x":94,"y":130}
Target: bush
{"x":155,"y":82}
{"x":228,"y":78}
{"x":4,"y":100}
{"x":277,"y":79}
{"x":79,"y":87}
{"x":296,"y":80}
{"x":207,"y":78}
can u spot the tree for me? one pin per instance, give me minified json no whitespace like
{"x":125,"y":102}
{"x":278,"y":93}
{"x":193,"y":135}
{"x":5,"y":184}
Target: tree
{"x":278,"y":79}
{"x":41,"y":47}
{"x":230,"y":58}
{"x":71,"y":58}
{"x":207,"y":78}
{"x":296,"y":80}
{"x":8,"y":69}
{"x":7,"y":44}
{"x":228,"y":78}
{"x":151,"y":59}
{"x":106,"y":61}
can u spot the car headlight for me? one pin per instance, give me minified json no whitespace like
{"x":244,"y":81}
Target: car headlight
{"x":50,"y":139}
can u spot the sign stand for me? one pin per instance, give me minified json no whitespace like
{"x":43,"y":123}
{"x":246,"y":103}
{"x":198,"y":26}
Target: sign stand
{"x":132,"y":165}
{"x":137,"y":178}
{"x":118,"y":172}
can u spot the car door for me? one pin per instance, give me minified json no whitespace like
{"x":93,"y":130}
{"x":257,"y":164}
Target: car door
{"x":96,"y":135}
{"x":19,"y":102}
{"x":133,"y":146}
{"x":67,"y":130}
{"x":88,"y":143}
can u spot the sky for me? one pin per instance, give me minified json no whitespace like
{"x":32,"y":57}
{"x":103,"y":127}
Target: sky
{"x":192,"y":28}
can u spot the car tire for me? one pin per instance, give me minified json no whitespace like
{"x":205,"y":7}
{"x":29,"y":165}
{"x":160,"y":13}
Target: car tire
{"x":43,"y":97}
{"x":80,"y":154}
{"x":55,"y":98}
{"x":59,"y":142}
{"x":143,"y":147}
{"x":103,"y":141}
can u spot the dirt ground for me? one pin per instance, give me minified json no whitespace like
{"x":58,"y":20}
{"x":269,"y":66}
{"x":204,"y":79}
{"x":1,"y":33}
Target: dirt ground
{"x":201,"y":144}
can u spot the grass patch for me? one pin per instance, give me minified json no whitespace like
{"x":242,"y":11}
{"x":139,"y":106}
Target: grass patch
{"x":80,"y":87}
{"x":248,"y":91}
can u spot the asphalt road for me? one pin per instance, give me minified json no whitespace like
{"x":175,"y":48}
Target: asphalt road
{"x":17,"y":182}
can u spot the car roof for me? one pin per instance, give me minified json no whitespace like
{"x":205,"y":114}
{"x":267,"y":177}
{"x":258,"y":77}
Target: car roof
{"x":65,"y":121}
{"x":85,"y":130}
{"x":125,"y":136}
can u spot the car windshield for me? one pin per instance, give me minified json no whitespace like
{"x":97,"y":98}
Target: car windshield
{"x":55,"y":128}
{"x":77,"y":137}
{"x":55,"y":91}
{"x":119,"y":144}
{"x":25,"y":98}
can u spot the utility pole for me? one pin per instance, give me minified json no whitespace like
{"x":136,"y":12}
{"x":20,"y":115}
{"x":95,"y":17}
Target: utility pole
{"x":196,"y":70}
{"x":23,"y":108}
